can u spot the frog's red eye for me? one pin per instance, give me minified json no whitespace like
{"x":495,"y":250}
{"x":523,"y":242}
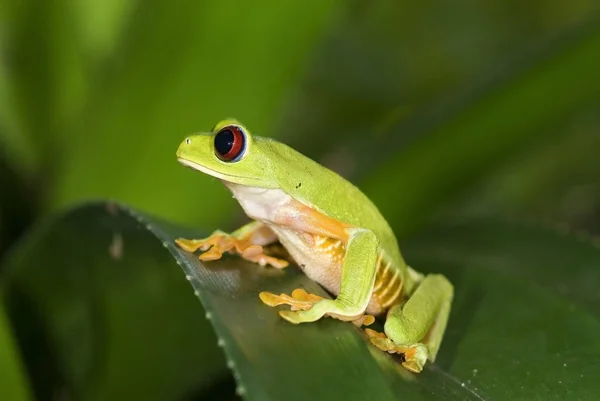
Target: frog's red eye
{"x":230,"y":143}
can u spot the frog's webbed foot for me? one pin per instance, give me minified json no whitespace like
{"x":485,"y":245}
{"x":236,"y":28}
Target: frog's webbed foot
{"x":219,"y":243}
{"x":414,"y":356}
{"x":300,"y":300}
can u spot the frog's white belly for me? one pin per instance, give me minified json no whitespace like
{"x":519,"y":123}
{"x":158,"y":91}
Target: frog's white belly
{"x":320,"y":258}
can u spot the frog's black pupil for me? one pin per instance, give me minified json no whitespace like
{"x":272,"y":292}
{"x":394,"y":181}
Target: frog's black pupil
{"x":224,"y":141}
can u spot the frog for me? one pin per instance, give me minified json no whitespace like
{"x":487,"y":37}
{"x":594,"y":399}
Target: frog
{"x":331,"y":230}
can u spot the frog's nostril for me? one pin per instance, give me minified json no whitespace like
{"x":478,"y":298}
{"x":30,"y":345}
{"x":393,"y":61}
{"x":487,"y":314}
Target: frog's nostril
{"x":188,"y":141}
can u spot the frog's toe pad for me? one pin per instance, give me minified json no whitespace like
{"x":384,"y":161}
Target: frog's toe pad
{"x":364,"y":320}
{"x":414,"y":356}
{"x":212,"y":254}
{"x":299,"y":300}
{"x":257,"y":256}
{"x":381,"y":341}
{"x":188,"y":245}
{"x":218,"y":243}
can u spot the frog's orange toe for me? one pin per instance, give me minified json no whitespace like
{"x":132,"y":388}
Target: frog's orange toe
{"x":374,"y":334}
{"x":299,"y":300}
{"x":270,"y":299}
{"x":381,"y":341}
{"x":300,"y":294}
{"x":212,"y":254}
{"x":364,"y":320}
{"x":187,"y":244}
{"x":413,"y":356}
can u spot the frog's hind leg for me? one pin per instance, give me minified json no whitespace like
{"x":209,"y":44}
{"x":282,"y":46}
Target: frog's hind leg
{"x":358,"y":277}
{"x":415,"y":329}
{"x":247,"y":241}
{"x":302,"y":300}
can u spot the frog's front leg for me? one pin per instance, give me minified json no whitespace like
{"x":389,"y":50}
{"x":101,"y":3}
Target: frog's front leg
{"x":415,"y":329}
{"x":358,"y":278}
{"x":247,"y":241}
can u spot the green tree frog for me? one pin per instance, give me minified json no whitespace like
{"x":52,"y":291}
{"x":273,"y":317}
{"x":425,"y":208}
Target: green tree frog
{"x":331,"y":230}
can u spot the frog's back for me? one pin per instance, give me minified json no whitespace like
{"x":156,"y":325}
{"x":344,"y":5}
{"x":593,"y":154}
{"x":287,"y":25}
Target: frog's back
{"x":334,"y":196}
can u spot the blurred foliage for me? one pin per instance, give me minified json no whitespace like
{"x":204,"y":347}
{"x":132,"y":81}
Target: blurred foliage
{"x":507,"y":120}
{"x":13,"y":384}
{"x":89,"y":118}
{"x":548,"y":181}
{"x":440,"y":111}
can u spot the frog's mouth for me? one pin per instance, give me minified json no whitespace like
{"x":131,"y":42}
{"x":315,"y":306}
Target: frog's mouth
{"x":237,"y":179}
{"x":205,"y":169}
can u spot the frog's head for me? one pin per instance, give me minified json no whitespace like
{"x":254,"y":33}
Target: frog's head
{"x":231,"y":154}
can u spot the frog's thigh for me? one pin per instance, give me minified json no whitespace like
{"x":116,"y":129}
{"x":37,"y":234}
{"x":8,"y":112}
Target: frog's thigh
{"x":308,"y":220}
{"x":423,"y":318}
{"x":358,"y":277}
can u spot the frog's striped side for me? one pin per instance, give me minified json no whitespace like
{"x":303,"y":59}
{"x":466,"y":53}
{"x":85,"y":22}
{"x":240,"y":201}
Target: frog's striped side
{"x":389,"y":281}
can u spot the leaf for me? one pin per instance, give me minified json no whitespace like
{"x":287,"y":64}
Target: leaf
{"x":17,"y":155}
{"x":548,"y":181}
{"x":17,"y":202}
{"x":541,"y":304}
{"x":514,"y":331}
{"x":499,"y":124}
{"x":388,"y":72}
{"x":527,"y":250}
{"x":46,"y":71}
{"x":13,"y":385}
{"x":100,"y":312}
{"x":14,"y":146}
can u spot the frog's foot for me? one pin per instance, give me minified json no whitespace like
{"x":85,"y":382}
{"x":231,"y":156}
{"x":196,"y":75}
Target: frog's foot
{"x":364,"y":320}
{"x":414,"y":356}
{"x":300,"y":300}
{"x":255,"y":253}
{"x":219,"y":243}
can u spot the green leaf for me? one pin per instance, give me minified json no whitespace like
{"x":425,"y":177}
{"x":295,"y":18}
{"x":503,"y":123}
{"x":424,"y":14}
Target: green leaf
{"x":547,"y":181}
{"x":101,"y":312}
{"x":388,"y":72}
{"x":17,"y":202}
{"x":429,"y":171}
{"x":46,"y":75}
{"x":13,"y":385}
{"x":14,"y":146}
{"x":527,"y":250}
{"x":524,"y":322}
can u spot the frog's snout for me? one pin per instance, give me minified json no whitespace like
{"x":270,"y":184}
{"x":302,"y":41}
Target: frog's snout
{"x":182,"y":146}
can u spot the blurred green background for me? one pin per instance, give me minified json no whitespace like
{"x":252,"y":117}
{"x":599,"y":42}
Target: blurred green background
{"x":439,"y":111}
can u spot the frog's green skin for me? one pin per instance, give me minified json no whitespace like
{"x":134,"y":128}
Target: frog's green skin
{"x":332,"y":231}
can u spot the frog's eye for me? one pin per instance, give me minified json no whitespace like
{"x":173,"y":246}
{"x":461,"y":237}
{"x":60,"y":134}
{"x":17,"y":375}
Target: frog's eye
{"x":230,"y":143}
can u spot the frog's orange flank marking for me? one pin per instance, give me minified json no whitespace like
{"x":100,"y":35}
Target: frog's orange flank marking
{"x":334,"y":248}
{"x":388,"y":283}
